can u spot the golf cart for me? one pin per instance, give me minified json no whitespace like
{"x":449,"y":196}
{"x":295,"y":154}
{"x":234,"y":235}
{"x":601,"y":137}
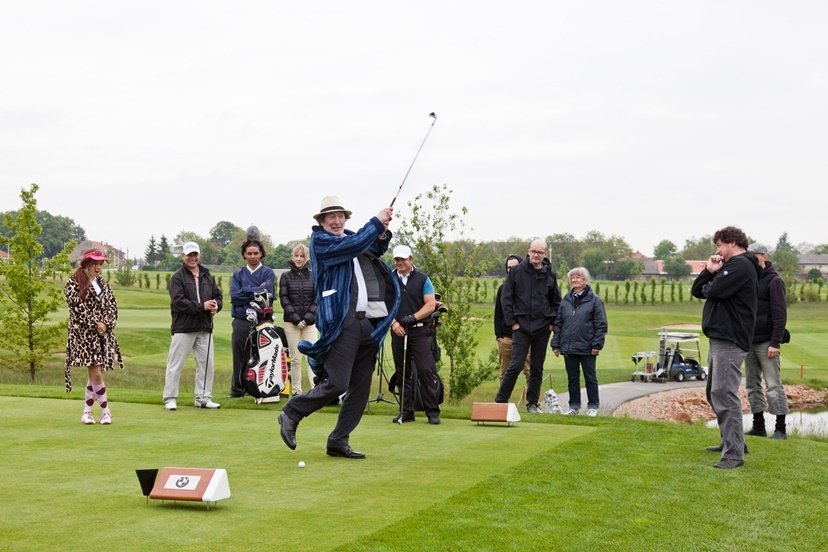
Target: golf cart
{"x":671,"y":362}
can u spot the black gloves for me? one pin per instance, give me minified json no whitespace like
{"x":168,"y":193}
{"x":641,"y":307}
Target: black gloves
{"x":408,"y":321}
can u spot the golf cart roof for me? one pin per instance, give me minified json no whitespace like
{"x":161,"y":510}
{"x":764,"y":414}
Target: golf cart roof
{"x":679,"y":336}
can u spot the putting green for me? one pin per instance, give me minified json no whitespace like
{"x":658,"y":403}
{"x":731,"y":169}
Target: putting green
{"x":69,"y":486}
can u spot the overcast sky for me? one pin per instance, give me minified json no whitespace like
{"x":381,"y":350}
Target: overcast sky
{"x":649,"y":120}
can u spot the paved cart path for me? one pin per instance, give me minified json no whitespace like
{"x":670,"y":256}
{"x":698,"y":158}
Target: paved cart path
{"x":613,"y":395}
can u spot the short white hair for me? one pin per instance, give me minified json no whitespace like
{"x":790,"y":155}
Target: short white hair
{"x":580,"y":271}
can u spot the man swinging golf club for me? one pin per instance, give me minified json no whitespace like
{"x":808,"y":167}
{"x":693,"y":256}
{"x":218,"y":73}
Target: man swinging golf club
{"x":356,"y":298}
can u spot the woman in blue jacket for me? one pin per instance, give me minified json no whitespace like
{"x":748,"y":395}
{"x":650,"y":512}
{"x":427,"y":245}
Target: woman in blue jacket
{"x":580,"y":329}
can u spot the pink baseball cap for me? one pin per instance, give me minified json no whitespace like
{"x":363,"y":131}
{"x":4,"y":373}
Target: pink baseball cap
{"x":93,"y":254}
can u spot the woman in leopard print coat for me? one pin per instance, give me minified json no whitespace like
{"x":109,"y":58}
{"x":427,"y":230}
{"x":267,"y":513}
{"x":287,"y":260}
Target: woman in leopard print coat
{"x":91,"y":343}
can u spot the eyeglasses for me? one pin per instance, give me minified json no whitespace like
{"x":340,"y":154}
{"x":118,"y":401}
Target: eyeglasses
{"x":536,"y":252}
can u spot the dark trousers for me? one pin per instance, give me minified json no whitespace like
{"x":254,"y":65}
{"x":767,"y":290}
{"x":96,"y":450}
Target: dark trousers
{"x":574,"y":364}
{"x":350,"y":367}
{"x":522,"y":343}
{"x":724,"y":360}
{"x":421,"y":357}
{"x":241,"y":329}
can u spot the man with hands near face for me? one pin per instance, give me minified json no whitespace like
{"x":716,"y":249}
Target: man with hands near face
{"x":729,"y":285}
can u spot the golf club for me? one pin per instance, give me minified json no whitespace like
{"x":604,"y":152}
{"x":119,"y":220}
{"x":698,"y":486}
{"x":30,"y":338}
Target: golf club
{"x":433,"y":116}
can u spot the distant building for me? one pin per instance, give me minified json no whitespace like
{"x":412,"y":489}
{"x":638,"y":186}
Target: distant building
{"x":116,"y":257}
{"x":4,"y":256}
{"x":809,"y":262}
{"x":654,"y":268}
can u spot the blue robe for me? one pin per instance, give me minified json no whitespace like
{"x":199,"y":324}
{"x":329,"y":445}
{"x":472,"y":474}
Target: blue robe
{"x":332,"y":257}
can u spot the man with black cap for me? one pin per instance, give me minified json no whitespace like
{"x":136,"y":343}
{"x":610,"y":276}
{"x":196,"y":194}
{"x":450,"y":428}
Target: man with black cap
{"x":762,"y":360}
{"x":412,"y":338}
{"x":356,"y":298}
{"x":503,"y":331}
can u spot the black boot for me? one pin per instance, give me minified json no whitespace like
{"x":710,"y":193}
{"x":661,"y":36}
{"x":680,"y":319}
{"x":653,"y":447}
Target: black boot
{"x":780,"y":432}
{"x":758,"y":428}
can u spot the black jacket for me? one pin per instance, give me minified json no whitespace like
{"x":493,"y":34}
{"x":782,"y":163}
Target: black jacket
{"x":730,"y":307}
{"x":187,"y":307}
{"x":500,"y":329}
{"x":771,"y":308}
{"x":530,"y":296}
{"x":297,"y":294}
{"x":581,"y":324}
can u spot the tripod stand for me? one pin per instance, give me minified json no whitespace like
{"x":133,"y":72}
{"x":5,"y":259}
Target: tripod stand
{"x":381,"y":372}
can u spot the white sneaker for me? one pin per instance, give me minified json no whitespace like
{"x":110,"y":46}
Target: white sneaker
{"x":170,"y":405}
{"x":208,"y":404}
{"x":106,"y":418}
{"x":572,"y":412}
{"x":592,"y":412}
{"x":87,"y":419}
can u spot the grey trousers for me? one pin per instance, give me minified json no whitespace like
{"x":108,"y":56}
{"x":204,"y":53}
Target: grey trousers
{"x":725,"y":362}
{"x":758,"y":366}
{"x":201,"y":345}
{"x":350,"y":367}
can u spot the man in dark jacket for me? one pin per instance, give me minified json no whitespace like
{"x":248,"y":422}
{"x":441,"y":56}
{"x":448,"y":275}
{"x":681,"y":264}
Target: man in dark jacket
{"x":762,"y":359}
{"x":729,"y":284}
{"x":530,"y":299}
{"x":194,"y":300}
{"x":356,"y":299}
{"x":503,"y":332}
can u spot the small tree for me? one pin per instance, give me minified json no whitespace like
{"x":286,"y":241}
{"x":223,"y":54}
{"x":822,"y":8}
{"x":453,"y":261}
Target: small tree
{"x":151,"y":254}
{"x":28,"y":296}
{"x":124,"y":276}
{"x":431,"y":221}
{"x":157,"y":280}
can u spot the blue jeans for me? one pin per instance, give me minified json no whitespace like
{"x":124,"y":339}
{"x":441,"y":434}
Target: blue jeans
{"x":573,"y":364}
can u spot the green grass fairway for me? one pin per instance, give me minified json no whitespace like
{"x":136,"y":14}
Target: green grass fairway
{"x":66,"y":483}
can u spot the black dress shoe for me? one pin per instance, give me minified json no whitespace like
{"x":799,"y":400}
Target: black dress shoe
{"x":345,"y":452}
{"x":403,"y":418}
{"x":434,"y":420}
{"x":719,"y":448}
{"x":287,"y":429}
{"x":729,"y":464}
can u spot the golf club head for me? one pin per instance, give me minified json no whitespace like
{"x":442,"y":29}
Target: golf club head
{"x":432,"y":115}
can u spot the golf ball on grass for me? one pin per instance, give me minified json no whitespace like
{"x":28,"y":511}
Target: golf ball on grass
{"x":301,"y":464}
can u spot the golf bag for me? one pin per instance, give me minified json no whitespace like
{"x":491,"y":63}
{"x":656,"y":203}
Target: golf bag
{"x":551,"y":405}
{"x":268,"y":361}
